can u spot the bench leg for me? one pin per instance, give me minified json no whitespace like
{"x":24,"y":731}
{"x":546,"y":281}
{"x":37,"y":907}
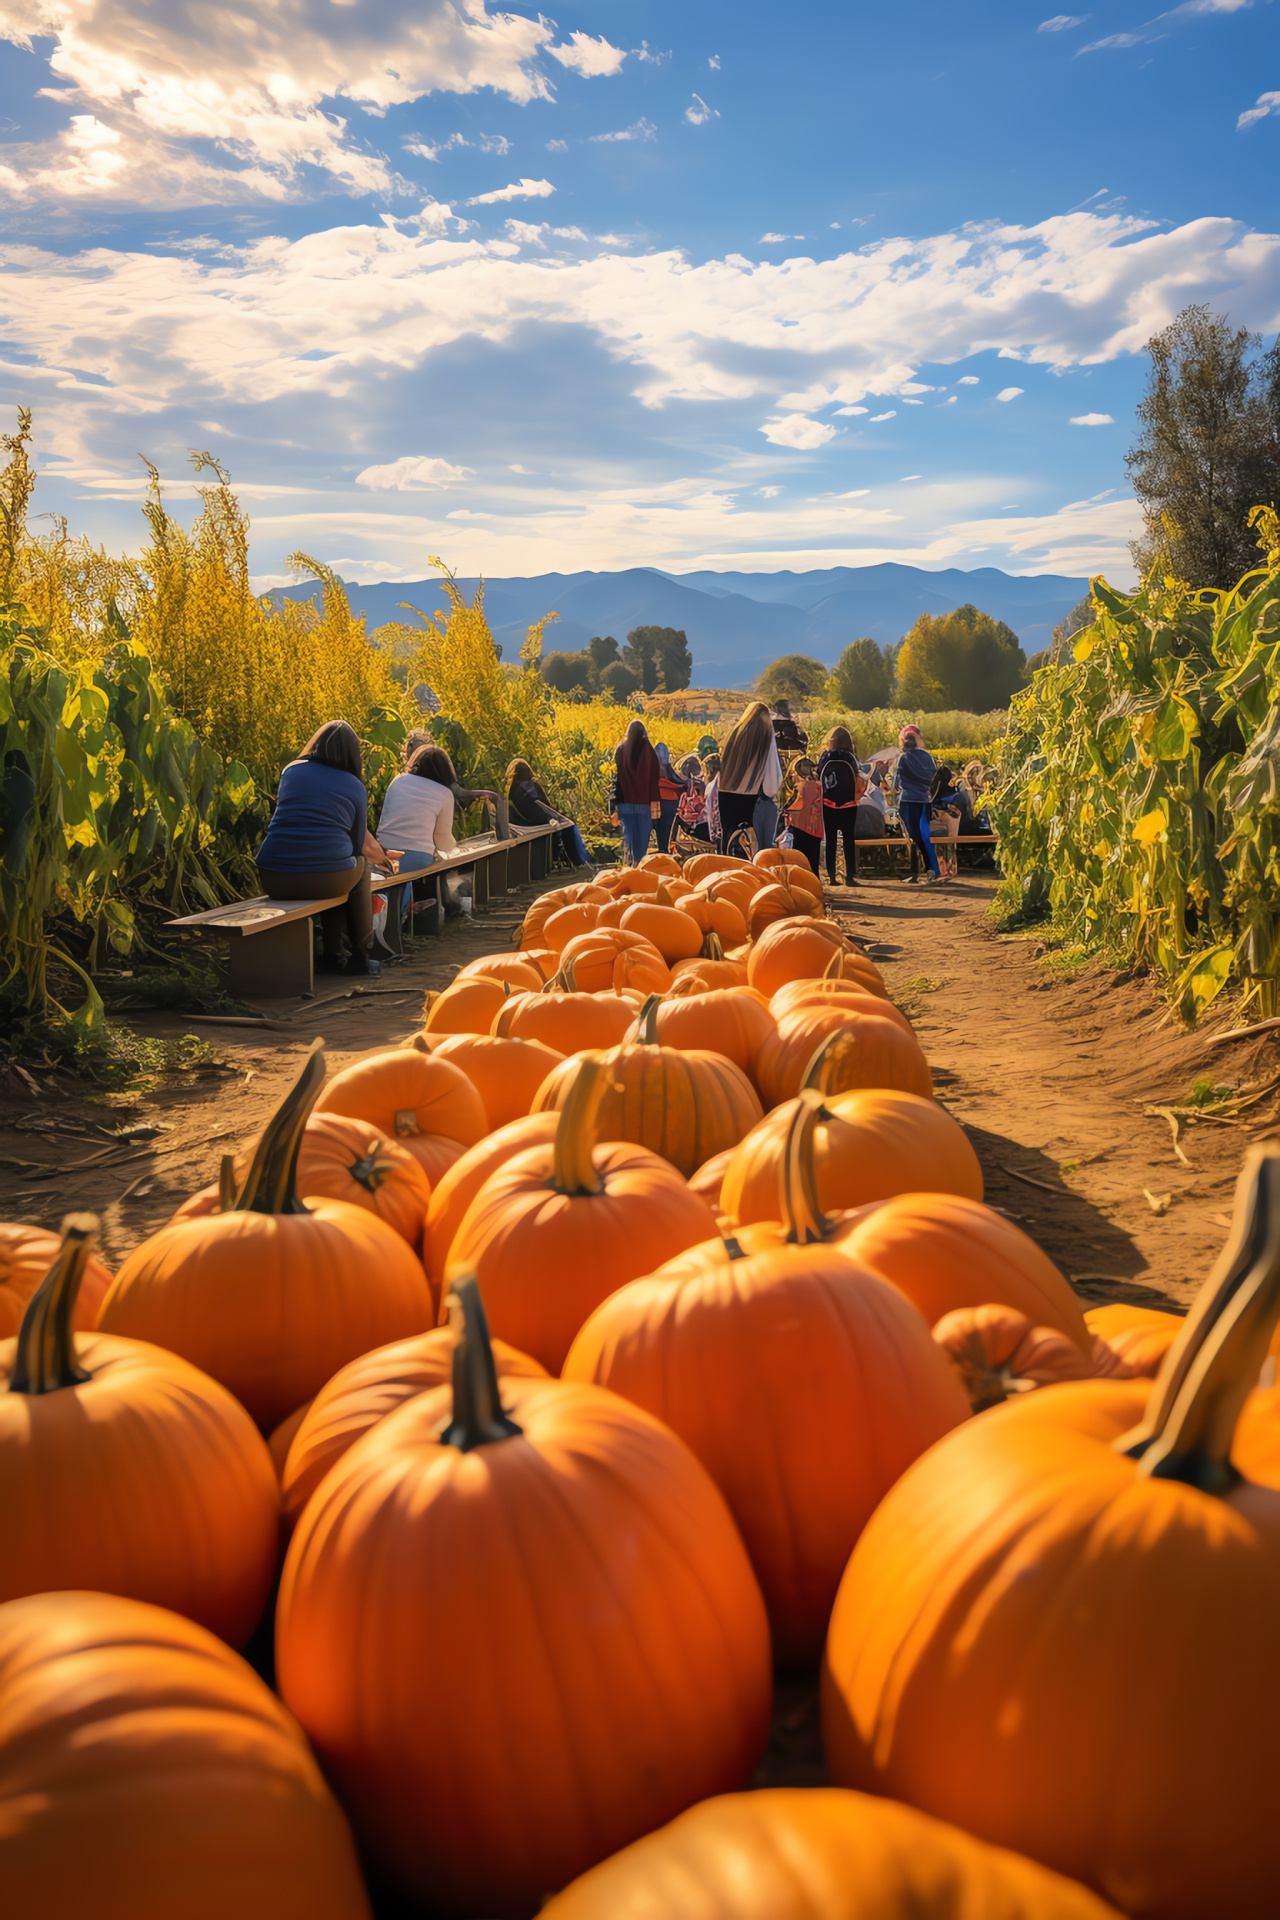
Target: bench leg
{"x":518,"y":863}
{"x":391,"y":932}
{"x":479,"y":884}
{"x":274,"y":964}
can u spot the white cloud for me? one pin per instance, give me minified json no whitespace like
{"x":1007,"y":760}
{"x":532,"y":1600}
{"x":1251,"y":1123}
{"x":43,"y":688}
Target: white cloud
{"x":714,"y":62}
{"x":568,"y":233}
{"x":768,"y":493}
{"x":557,"y":146}
{"x":1267,"y":103}
{"x":593,"y":59}
{"x":518,"y":190}
{"x":437,"y":216}
{"x":525,"y":233}
{"x":148,"y":81}
{"x":968,"y":380}
{"x":778,"y":239}
{"x":1114,"y":40}
{"x":876,"y":418}
{"x":414,"y":473}
{"x":1092,"y":420}
{"x":491,"y":143}
{"x":797,"y":431}
{"x":699,"y":112}
{"x":643,"y":53}
{"x":910,"y":476}
{"x":950,"y":401}
{"x":1061,"y":22}
{"x":642,"y":130}
{"x":852,"y":410}
{"x":1010,"y":393}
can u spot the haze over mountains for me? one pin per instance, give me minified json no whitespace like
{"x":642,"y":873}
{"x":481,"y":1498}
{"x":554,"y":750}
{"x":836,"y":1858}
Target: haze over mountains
{"x":737,"y":622}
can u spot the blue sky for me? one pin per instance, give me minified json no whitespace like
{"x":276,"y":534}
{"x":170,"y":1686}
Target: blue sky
{"x":639,"y":285}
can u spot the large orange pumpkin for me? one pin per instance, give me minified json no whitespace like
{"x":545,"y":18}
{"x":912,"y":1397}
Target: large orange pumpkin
{"x":946,"y":1250}
{"x":631,"y":881}
{"x":463,"y":1181}
{"x":867,"y":1146}
{"x":505,"y":1073}
{"x":791,"y":949}
{"x":853,"y":993}
{"x":778,"y":902}
{"x":816,"y":1853}
{"x":26,"y":1255}
{"x":409,"y":1095}
{"x":726,"y":1022}
{"x":468,"y":1006}
{"x":565,"y":1019}
{"x":347,"y":1160}
{"x":710,"y":971}
{"x":805,"y":1385}
{"x":125,"y":1469}
{"x":836,"y":1051}
{"x":556,"y":1229}
{"x":701,"y":865}
{"x":613,"y":958}
{"x":270,"y":1296}
{"x":1139,"y":1337}
{"x":148,"y":1773}
{"x":366,"y":1391}
{"x":543,"y":961}
{"x":673,"y":933}
{"x":519,"y":1632}
{"x":1084,"y":1618}
{"x":721,"y":917}
{"x":686,"y":1104}
{"x":662,"y":864}
{"x":773,"y":857}
{"x":568,"y":922}
{"x":535,"y":920}
{"x":519,"y":970}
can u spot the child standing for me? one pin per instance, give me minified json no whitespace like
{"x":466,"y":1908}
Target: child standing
{"x":804,"y":815}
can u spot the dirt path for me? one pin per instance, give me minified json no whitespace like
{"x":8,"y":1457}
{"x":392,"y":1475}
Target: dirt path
{"x":1051,"y":1077}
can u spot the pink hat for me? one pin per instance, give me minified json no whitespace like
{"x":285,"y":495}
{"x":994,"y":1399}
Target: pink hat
{"x":909,"y":733}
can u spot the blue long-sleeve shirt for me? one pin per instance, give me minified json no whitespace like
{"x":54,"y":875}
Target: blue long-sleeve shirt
{"x":914,"y":774}
{"x":320,"y":821}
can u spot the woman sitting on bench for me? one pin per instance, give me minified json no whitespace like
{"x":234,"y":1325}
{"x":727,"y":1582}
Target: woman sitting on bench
{"x":417,"y":813}
{"x":529,"y":806}
{"x":318,"y":843}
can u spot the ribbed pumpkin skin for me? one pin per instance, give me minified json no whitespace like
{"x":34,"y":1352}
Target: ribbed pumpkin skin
{"x":711,"y":975}
{"x":816,"y":1853}
{"x":613,"y":958}
{"x":946,"y":1251}
{"x":607,"y":1651}
{"x":568,"y":1021}
{"x":686,"y":1105}
{"x":545,"y":1259}
{"x":703,"y":865}
{"x":804,"y":1384}
{"x":733,"y":1024}
{"x":148,"y":1773}
{"x":800,"y":950}
{"x":709,"y":1177}
{"x":1038,"y":1643}
{"x":777,"y":903}
{"x":366,"y":1391}
{"x":468,"y":1006}
{"x":1139,"y":1336}
{"x":673,"y":933}
{"x":406,"y":1094}
{"x":880,"y":1054}
{"x":874,"y":1145}
{"x":351,"y":1161}
{"x":271,"y":1304}
{"x":505,"y":1073}
{"x":26,"y":1255}
{"x":463,"y":1181}
{"x":860,"y":996}
{"x":721,"y":917}
{"x":147,"y":1480}
{"x":566,"y":923}
{"x":535,"y":920}
{"x":517,"y":969}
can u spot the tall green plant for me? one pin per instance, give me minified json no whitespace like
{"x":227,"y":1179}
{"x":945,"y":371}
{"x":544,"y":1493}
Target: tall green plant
{"x":1140,"y":782}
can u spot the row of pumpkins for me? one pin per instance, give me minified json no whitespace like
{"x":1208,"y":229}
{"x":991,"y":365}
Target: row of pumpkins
{"x":633,"y":1327}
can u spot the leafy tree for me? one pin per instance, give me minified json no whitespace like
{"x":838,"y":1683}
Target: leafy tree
{"x":1209,"y":448}
{"x":963,"y":659}
{"x":863,"y":677}
{"x":660,"y":658}
{"x":603,"y":654}
{"x":565,"y":672}
{"x":619,"y":682}
{"x":796,"y":676}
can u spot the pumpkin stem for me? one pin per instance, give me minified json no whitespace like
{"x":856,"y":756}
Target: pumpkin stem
{"x":647,"y":1026}
{"x":823,"y":1073}
{"x":570,"y":972}
{"x":478,"y":1418}
{"x":797,"y":1180}
{"x":226,"y":1183}
{"x":573,"y":1169}
{"x":46,"y":1356}
{"x":834,"y":969}
{"x":662,"y":897}
{"x":429,"y":999}
{"x":269,"y":1186}
{"x":1208,"y":1373}
{"x":712,"y":947}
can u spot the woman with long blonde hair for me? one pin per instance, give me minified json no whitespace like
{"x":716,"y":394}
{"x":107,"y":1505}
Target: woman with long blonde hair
{"x":750,"y":773}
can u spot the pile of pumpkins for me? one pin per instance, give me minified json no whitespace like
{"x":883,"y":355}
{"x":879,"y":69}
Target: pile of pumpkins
{"x":632,"y":1329}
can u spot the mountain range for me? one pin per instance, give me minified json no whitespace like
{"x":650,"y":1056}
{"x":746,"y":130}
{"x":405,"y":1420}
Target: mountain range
{"x":736,"y":623}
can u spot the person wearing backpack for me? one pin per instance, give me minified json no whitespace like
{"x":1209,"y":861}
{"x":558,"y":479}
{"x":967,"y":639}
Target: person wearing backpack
{"x":843,"y":785}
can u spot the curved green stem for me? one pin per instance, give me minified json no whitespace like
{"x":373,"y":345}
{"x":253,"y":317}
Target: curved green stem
{"x":478,"y":1418}
{"x":270,"y":1184}
{"x":647,"y":1025}
{"x":46,"y":1356}
{"x":797,"y":1178}
{"x":573,"y":1168}
{"x":822,"y":1075}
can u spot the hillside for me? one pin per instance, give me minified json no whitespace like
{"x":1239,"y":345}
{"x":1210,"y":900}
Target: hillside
{"x":738,"y":622}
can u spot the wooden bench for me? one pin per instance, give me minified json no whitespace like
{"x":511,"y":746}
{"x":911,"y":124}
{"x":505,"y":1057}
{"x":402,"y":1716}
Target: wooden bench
{"x":271,"y":943}
{"x":905,"y":842}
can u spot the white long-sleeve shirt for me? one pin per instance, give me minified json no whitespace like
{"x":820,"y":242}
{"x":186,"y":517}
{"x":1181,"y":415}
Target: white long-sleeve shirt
{"x":417,"y":815}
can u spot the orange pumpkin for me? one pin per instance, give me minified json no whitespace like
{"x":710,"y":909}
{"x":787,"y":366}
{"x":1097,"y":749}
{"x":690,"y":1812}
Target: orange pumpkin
{"x":517,"y":969}
{"x":701,"y":865}
{"x":946,"y":1251}
{"x":997,"y":1352}
{"x":836,"y":1050}
{"x":777,"y":903}
{"x":710,"y":972}
{"x":709,"y":1178}
{"x":662,"y":864}
{"x":1085,"y":1616}
{"x":148,"y":1773}
{"x":409,"y":1096}
{"x":867,"y":1146}
{"x":805,"y":1385}
{"x":728,"y":1022}
{"x":608,"y":1655}
{"x":568,"y":922}
{"x":634,"y":880}
{"x":773,"y":857}
{"x":564,"y":1019}
{"x":125,"y":1469}
{"x":542,"y":959}
{"x":269,"y":1296}
{"x":26,"y":1255}
{"x":684,"y":1104}
{"x":612,"y":958}
{"x":674,"y":934}
{"x":559,"y":1227}
{"x":366,"y":1391}
{"x":505,"y":1073}
{"x":1139,"y":1337}
{"x":347,"y":1160}
{"x":837,"y":993}
{"x":280,"y":1439}
{"x":548,"y":903}
{"x":791,"y":949}
{"x":721,"y":917}
{"x":815,"y":1853}
{"x":459,"y":1187}
{"x":468,"y":1006}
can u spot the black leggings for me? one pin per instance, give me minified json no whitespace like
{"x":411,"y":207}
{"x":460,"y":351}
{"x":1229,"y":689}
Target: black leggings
{"x":841,"y":823}
{"x":736,"y":810}
{"x":809,"y":845}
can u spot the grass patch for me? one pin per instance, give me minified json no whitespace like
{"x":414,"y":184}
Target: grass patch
{"x":923,"y":984}
{"x":1206,"y":1092}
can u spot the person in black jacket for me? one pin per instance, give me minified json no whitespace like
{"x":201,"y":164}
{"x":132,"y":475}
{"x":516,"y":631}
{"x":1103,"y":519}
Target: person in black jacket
{"x":529,"y":806}
{"x":843,"y":784}
{"x":788,"y":735}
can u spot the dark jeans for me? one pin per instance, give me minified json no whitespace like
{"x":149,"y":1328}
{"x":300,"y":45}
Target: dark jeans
{"x":841,"y":823}
{"x":665,"y":821}
{"x":914,"y":815}
{"x":356,"y":915}
{"x":637,"y":824}
{"x":810,"y":846}
{"x":764,"y":819}
{"x":736,"y":810}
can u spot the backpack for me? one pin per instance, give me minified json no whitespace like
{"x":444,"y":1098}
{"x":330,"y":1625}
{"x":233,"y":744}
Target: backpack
{"x":840,"y":783}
